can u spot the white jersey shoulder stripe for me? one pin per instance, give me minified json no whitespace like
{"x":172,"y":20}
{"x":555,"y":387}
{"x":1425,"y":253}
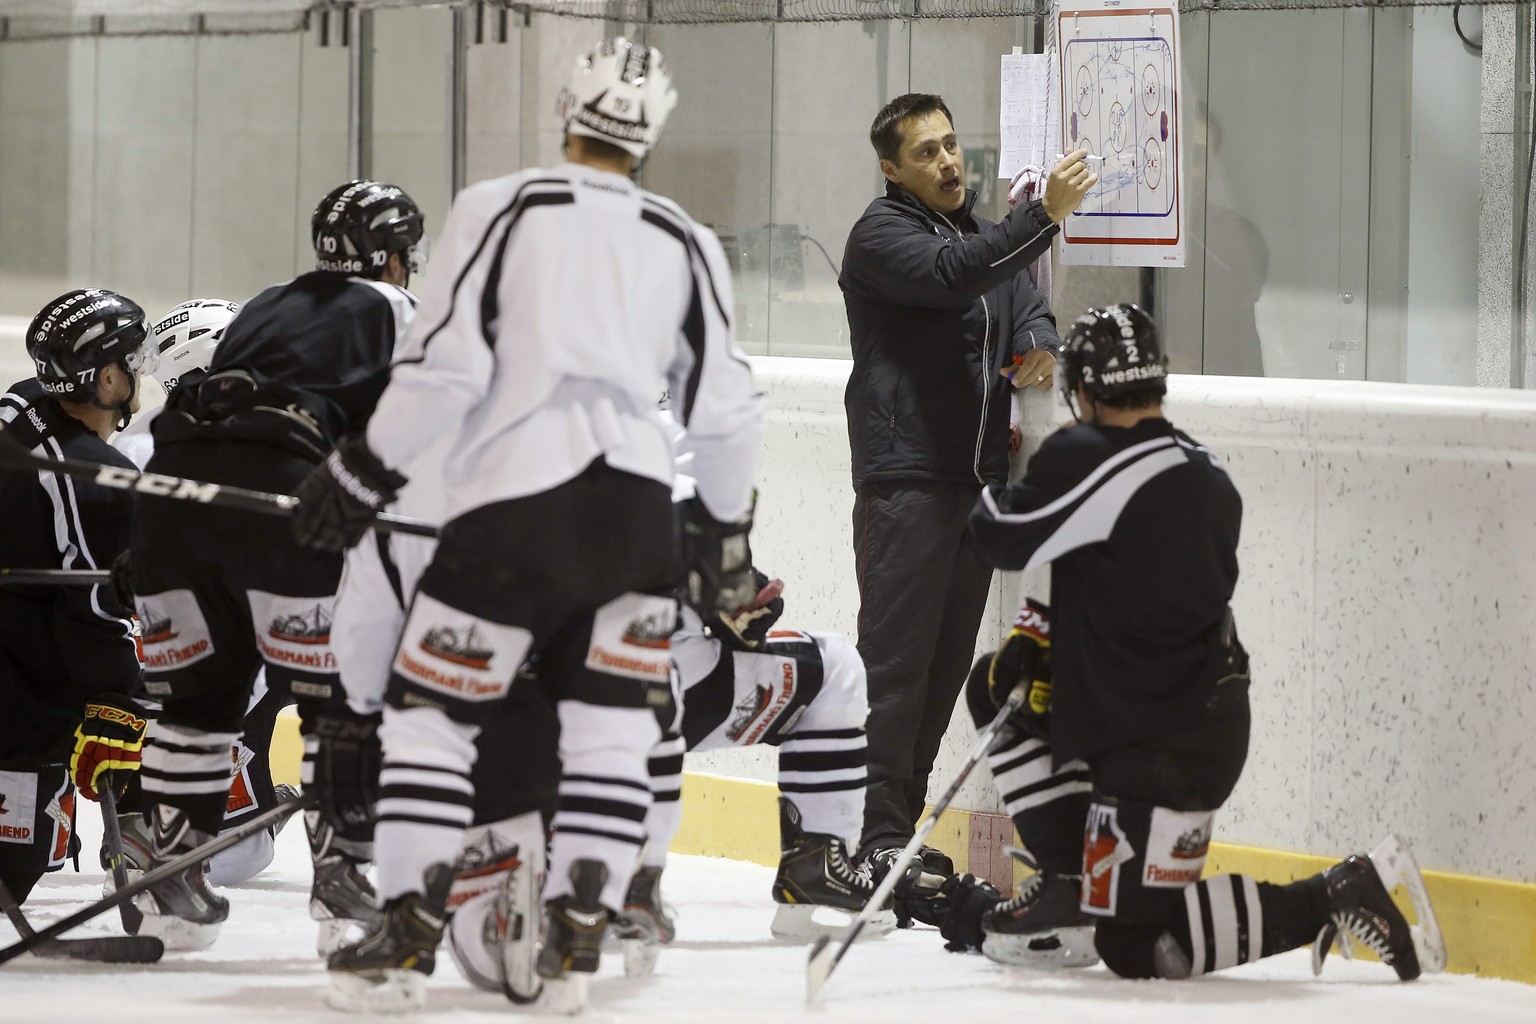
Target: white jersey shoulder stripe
{"x":1109,"y":465}
{"x":1094,"y":520}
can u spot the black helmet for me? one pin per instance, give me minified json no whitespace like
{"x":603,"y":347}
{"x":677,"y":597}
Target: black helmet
{"x":81,"y":331}
{"x":357,"y":225}
{"x":1114,"y":352}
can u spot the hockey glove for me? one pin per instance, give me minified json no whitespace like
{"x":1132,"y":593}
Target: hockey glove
{"x":347,"y":761}
{"x":109,"y":738}
{"x":1025,"y":656}
{"x":339,"y":498}
{"x":748,"y":629}
{"x":718,"y":561}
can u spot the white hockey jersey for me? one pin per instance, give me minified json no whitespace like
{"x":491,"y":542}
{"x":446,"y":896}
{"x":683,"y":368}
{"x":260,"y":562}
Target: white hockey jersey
{"x":561,"y":303}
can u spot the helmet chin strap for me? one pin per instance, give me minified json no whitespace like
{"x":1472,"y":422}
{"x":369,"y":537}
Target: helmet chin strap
{"x":124,"y":409}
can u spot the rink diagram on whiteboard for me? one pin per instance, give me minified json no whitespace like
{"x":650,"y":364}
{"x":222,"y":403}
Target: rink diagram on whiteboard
{"x":1118,"y":96}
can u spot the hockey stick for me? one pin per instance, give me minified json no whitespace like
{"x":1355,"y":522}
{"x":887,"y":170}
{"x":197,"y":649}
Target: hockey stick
{"x":110,"y":949}
{"x":132,"y":916}
{"x":14,"y":456}
{"x":153,"y":877}
{"x":824,"y":956}
{"x":56,"y":577}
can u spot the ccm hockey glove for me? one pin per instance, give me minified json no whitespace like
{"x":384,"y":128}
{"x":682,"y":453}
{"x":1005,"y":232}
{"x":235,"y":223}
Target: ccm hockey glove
{"x":340,"y":497}
{"x":1025,"y":656}
{"x":718,"y":561}
{"x":110,"y":737}
{"x":748,"y":629}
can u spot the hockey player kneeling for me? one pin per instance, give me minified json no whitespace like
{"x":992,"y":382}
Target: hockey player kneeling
{"x":1137,"y":725}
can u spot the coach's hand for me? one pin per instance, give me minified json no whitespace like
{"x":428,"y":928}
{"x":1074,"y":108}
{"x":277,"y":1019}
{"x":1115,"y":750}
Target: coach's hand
{"x":339,"y":499}
{"x":109,"y":738}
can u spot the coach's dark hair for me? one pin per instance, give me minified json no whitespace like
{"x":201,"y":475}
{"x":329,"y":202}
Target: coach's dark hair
{"x":885,"y":133}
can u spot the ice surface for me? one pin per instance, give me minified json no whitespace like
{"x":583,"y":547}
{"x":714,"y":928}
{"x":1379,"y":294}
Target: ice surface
{"x":724,"y":967}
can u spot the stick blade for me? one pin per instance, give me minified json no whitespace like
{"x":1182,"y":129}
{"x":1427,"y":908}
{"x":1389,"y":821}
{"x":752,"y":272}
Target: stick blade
{"x":111,"y":949}
{"x":818,"y":967}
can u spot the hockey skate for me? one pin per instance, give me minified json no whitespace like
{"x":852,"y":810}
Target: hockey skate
{"x":645,"y":924}
{"x":341,"y":896}
{"x":1043,"y":925}
{"x":1360,"y":900}
{"x":136,"y":851}
{"x":181,"y":911}
{"x":573,"y":938}
{"x":387,"y":971}
{"x":512,"y":929}
{"x":816,"y":871}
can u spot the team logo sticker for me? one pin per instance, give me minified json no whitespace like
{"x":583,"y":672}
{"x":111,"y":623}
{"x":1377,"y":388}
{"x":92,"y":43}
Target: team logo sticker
{"x":765,"y":685}
{"x":456,"y":653}
{"x":18,"y":807}
{"x":632,"y":636}
{"x":1177,"y":843}
{"x":293,"y":631}
{"x":173,"y":632}
{"x":1105,"y":849}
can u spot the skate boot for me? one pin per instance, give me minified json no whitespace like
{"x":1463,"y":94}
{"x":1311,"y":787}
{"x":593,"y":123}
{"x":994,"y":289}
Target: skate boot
{"x":137,"y":846}
{"x":1361,"y":910}
{"x":341,"y":896}
{"x":645,"y":924}
{"x":386,"y":972}
{"x":816,"y":871}
{"x":573,"y":937}
{"x":181,"y":910}
{"x":1043,"y":925}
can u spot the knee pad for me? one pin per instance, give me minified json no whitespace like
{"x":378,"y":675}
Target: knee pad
{"x":1131,"y":949}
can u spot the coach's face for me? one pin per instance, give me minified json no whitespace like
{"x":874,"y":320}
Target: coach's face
{"x":930,"y":163}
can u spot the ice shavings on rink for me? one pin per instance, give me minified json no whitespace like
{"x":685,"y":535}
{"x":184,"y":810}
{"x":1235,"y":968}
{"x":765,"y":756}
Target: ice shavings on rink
{"x":724,"y":967}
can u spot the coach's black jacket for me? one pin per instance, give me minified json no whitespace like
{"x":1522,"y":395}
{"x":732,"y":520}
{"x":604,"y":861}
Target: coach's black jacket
{"x":1140,"y":526}
{"x":937,"y":305}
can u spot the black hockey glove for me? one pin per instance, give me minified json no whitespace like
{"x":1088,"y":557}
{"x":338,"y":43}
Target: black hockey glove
{"x":1025,"y":657}
{"x":339,"y":498}
{"x":747,"y":630}
{"x":953,"y":904}
{"x":347,"y":762}
{"x":718,"y":561}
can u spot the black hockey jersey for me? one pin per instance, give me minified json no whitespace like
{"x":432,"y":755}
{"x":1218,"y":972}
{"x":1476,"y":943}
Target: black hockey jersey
{"x":59,"y":645}
{"x":324,"y":339}
{"x":1140,"y":526}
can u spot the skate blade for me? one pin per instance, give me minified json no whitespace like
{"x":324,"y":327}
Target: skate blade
{"x":798,"y":922}
{"x":520,"y":938}
{"x":396,"y":991}
{"x":178,"y":935}
{"x":639,"y":956}
{"x":1045,"y":951}
{"x":566,"y":994}
{"x":1397,"y":866}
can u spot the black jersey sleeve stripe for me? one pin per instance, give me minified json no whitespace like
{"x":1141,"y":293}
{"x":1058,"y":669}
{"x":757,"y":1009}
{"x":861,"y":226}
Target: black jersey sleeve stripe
{"x":490,"y":229}
{"x":490,"y":298}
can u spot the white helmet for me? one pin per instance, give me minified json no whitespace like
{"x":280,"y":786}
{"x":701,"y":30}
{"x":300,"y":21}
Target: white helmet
{"x":620,"y":92}
{"x":185,"y":337}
